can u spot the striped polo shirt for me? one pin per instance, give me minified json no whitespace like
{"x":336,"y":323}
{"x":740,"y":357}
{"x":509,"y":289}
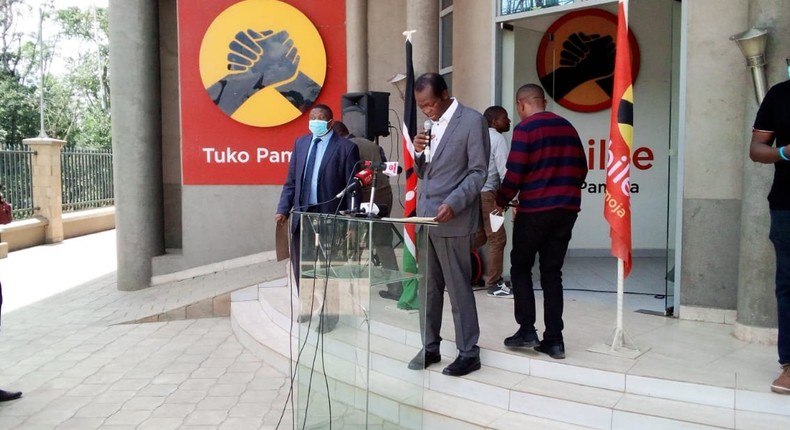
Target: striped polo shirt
{"x":546,"y":165}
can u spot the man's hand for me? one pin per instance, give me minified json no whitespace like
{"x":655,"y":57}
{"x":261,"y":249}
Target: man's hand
{"x":421,"y":141}
{"x":444,"y":214}
{"x":280,"y":219}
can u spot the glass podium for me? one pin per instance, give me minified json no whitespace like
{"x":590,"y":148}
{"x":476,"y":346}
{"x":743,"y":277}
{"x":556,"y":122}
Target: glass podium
{"x":355,"y":343}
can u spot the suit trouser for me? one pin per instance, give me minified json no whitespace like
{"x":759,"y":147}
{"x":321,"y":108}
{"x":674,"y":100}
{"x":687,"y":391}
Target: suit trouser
{"x":546,"y":234}
{"x":316,"y":253}
{"x":448,"y":265}
{"x":382,"y":241}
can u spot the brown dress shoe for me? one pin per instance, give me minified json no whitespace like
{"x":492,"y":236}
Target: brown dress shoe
{"x":782,"y":384}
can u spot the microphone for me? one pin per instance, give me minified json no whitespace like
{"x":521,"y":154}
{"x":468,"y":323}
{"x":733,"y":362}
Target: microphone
{"x":363,"y":178}
{"x":389,"y":168}
{"x":427,"y":126}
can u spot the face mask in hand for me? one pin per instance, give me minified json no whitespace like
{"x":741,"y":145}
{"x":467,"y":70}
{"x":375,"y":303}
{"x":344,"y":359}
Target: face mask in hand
{"x":319,"y":127}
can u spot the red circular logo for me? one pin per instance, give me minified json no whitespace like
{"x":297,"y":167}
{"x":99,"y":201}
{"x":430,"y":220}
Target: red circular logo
{"x":576,"y":59}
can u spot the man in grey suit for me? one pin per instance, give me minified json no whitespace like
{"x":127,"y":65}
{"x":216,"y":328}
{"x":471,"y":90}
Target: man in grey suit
{"x":452,"y":164}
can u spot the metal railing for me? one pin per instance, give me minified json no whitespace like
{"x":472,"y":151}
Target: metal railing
{"x":87,"y":178}
{"x":16,"y":179}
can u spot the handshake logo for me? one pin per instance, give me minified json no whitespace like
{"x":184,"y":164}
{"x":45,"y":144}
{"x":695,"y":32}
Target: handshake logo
{"x":255,"y":70}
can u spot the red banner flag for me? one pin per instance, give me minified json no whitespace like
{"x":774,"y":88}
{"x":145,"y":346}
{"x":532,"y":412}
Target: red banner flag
{"x":617,"y":199}
{"x":408,"y":299}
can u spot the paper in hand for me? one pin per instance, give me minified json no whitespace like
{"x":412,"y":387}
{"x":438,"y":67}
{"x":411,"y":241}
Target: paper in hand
{"x":496,"y":220}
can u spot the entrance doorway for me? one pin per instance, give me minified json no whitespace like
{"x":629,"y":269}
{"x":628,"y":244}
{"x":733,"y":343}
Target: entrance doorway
{"x":529,"y":40}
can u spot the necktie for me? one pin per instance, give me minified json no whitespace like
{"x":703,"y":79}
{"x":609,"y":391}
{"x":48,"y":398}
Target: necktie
{"x":308,"y":174}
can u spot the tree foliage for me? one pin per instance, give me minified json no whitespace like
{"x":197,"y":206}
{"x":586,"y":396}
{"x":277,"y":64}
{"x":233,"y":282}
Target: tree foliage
{"x":76,"y":95}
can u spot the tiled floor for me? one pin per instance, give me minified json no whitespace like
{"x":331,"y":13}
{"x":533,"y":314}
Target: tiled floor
{"x":62,"y":345}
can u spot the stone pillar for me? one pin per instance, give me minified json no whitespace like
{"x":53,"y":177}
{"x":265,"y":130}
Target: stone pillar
{"x":47,"y":184}
{"x":357,"y":45}
{"x":756,"y":319}
{"x":136,"y":138}
{"x":423,"y":16}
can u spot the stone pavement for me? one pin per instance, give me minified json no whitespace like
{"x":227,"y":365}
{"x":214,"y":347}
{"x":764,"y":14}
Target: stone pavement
{"x":81,"y":366}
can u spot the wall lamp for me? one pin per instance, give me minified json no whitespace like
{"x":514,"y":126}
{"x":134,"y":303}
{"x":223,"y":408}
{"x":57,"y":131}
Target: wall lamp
{"x":399,"y":81}
{"x":752,"y":44}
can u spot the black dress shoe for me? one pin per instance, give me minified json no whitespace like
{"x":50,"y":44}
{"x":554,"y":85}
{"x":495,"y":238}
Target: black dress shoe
{"x":523,"y":339}
{"x":462,"y":366}
{"x":327,"y":323}
{"x":555,"y":350}
{"x":387,"y":295}
{"x":424,"y":359}
{"x":9,"y":395}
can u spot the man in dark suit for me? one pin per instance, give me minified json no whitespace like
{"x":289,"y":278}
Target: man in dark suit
{"x":322,"y":164}
{"x":7,"y":395}
{"x":382,"y":232}
{"x":452,"y":172}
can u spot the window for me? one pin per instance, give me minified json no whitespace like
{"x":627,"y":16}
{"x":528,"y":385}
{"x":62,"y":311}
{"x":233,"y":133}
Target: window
{"x":446,"y":41}
{"x":507,"y":7}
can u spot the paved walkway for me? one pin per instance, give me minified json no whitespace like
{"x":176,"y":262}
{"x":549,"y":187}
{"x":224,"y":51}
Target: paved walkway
{"x":64,"y":343}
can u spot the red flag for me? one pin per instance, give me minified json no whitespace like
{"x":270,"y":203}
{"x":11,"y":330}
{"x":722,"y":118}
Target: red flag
{"x":617,"y":200}
{"x":408,"y":299}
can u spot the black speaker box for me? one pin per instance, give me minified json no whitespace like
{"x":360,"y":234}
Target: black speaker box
{"x":366,"y":114}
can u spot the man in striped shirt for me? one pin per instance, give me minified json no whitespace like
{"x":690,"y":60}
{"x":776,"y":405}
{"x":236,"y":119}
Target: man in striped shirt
{"x":545,"y":170}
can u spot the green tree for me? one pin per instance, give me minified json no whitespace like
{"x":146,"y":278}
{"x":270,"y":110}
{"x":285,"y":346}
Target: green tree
{"x":17,"y":107}
{"x":77,"y":101}
{"x":81,"y":98}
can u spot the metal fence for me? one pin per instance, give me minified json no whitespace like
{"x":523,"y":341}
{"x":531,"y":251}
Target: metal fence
{"x":16,"y":179}
{"x":87,"y":178}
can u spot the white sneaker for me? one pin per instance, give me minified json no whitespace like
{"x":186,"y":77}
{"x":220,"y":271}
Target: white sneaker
{"x":500,"y":290}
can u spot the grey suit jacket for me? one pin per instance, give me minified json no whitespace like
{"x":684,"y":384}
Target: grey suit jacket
{"x":456,"y":174}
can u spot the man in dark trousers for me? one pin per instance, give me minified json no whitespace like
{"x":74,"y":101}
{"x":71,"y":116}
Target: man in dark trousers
{"x":452,"y":172}
{"x":6,"y":395}
{"x":546,"y":168}
{"x":770,"y":137}
{"x":322,"y":164}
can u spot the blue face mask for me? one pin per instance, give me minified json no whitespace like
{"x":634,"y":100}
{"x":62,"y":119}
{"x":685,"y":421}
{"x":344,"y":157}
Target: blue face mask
{"x":319,"y":127}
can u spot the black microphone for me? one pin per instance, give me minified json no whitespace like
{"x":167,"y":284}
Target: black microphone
{"x":427,"y":151}
{"x":390,"y":168}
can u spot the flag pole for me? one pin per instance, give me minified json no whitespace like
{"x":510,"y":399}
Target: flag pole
{"x":619,"y":343}
{"x":617,"y":206}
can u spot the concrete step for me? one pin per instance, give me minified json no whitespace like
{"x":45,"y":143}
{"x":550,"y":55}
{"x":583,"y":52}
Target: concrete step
{"x":511,"y":388}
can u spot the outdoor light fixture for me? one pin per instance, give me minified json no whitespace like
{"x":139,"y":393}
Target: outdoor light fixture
{"x":752,"y":44}
{"x":399,"y":81}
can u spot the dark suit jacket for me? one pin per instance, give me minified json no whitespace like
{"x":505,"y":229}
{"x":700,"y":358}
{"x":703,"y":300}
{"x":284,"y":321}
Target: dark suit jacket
{"x":338,"y":166}
{"x":456,"y":174}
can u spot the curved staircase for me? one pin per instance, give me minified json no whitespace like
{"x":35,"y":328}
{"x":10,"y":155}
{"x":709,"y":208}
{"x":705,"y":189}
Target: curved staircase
{"x":523,"y":389}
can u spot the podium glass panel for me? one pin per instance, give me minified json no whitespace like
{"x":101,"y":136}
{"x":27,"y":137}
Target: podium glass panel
{"x":354,"y":343}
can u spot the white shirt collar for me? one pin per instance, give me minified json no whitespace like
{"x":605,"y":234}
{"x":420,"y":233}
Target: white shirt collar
{"x":448,"y":114}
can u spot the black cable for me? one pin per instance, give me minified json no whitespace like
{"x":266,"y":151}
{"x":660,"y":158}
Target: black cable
{"x":634,"y":293}
{"x":290,"y":340}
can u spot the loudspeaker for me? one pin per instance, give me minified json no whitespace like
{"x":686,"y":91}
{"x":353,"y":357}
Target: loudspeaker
{"x":366,"y":114}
